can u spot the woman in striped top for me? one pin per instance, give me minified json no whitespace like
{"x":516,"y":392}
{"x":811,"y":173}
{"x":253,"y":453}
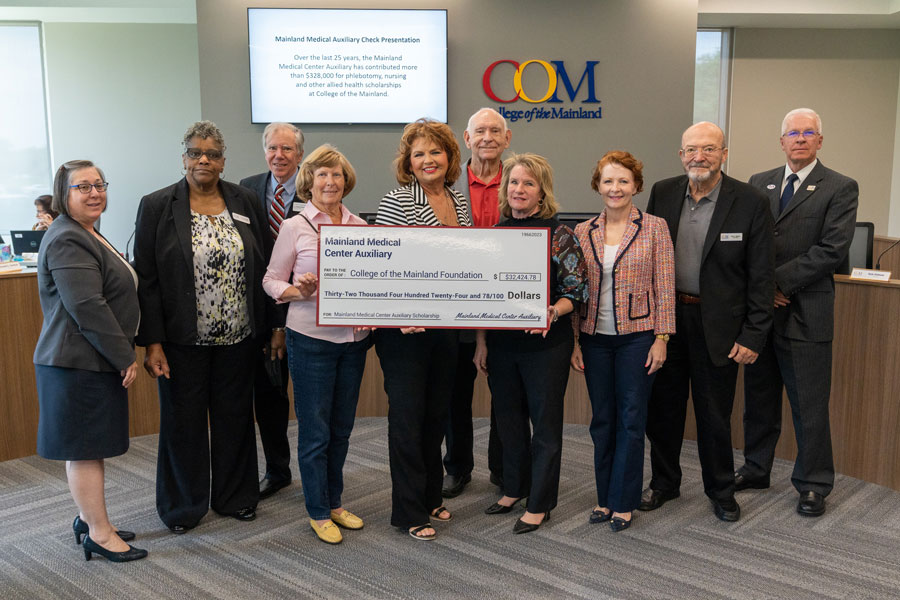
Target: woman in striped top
{"x":419,"y":364}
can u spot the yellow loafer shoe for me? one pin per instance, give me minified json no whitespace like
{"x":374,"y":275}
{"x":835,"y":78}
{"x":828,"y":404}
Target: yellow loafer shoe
{"x":347,"y":520}
{"x":327,"y":532}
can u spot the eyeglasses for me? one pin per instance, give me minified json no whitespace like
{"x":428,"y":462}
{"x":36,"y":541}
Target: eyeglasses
{"x":85,"y":188}
{"x":705,"y":150}
{"x":284,"y":149}
{"x":195,"y":153}
{"x":793,"y":134}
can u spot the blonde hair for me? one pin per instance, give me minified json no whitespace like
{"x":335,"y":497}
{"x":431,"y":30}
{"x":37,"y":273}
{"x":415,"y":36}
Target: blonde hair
{"x":541,"y":170}
{"x":325,"y":155}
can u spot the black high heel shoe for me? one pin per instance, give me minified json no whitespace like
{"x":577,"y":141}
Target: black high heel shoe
{"x":81,"y":529}
{"x":498,"y":509}
{"x":92,"y":547}
{"x":523,"y":527}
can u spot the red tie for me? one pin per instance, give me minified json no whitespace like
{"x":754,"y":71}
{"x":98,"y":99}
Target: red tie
{"x":277,"y":211}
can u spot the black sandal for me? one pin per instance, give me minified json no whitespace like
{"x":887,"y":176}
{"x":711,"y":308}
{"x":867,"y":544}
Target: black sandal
{"x":425,"y":538}
{"x":436,"y":514}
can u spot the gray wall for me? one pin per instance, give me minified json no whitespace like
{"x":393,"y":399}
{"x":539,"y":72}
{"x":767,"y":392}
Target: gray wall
{"x":645,"y":83}
{"x":850,"y":77}
{"x":122,"y":95}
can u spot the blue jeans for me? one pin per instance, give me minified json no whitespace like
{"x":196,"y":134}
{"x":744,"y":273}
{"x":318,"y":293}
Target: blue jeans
{"x":326,"y":380}
{"x":619,"y":388}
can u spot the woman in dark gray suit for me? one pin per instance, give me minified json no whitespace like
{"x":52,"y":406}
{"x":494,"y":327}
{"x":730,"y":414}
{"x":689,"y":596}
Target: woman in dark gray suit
{"x":84,"y":359}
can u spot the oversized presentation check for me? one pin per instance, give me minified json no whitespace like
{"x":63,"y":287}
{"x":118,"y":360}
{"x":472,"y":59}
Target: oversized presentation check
{"x":433,"y":276}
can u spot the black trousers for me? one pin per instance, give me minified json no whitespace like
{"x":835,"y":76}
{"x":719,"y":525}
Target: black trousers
{"x":804,"y":368}
{"x":418,"y":379}
{"x":688,"y":367}
{"x":211,"y":384}
{"x":459,"y":459}
{"x":530,"y":386}
{"x":272,"y":407}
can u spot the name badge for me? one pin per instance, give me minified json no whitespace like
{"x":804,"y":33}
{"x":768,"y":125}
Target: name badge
{"x":241,"y":218}
{"x":731,"y":237}
{"x":298,"y":206}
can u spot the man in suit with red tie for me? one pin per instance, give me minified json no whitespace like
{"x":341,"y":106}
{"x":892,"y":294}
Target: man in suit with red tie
{"x":815,"y":215}
{"x":276,"y":190}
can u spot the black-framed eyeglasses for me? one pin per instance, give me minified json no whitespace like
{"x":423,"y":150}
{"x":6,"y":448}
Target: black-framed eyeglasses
{"x":195,"y":153}
{"x":85,"y":188}
{"x":806,"y":133}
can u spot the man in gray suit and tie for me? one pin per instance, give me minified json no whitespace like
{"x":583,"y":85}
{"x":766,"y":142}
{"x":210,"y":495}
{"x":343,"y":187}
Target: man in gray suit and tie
{"x":276,"y":190}
{"x":815,"y":216}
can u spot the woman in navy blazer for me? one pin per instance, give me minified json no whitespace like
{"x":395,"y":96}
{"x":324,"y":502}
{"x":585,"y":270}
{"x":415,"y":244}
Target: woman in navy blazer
{"x":84,"y":359}
{"x":199,"y":256}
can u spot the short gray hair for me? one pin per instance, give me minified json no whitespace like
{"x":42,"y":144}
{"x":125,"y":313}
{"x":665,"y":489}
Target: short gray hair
{"x":63,"y":180}
{"x":481,"y":110}
{"x":273,"y":127}
{"x":801,"y":111}
{"x":204,"y":130}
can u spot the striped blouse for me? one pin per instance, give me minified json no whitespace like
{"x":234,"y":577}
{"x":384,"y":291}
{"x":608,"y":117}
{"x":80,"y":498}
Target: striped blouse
{"x":408,"y":205}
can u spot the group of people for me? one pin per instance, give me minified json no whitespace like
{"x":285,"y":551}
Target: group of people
{"x":647,"y":304}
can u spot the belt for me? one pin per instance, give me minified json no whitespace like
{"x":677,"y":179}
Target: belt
{"x":687,"y":298}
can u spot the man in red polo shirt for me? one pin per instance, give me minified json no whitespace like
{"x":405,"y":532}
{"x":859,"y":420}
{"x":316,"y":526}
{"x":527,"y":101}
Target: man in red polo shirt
{"x":487,"y":137}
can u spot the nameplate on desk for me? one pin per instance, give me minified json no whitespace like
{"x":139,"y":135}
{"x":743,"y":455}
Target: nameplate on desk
{"x":870,"y":275}
{"x":447,"y":277}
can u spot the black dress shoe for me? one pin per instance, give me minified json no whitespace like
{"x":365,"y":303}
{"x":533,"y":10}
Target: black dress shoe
{"x":454,"y":485}
{"x":248,"y":513}
{"x":268,"y":486}
{"x":81,"y":529}
{"x":179,"y":529}
{"x":727,"y":509}
{"x":523,"y":527}
{"x":652,"y":499}
{"x":92,"y":547}
{"x":743,"y":482}
{"x":811,"y":504}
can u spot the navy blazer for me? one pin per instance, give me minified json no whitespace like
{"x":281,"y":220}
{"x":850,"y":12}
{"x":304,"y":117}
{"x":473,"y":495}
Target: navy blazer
{"x":812,"y":237}
{"x":737,"y":283}
{"x":89,"y":301}
{"x":163,"y":259}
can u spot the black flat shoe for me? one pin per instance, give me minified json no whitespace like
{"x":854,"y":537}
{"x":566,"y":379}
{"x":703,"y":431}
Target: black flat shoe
{"x":598,"y":516}
{"x":498,"y":509}
{"x":618,"y":524}
{"x":91,"y":547}
{"x":248,"y":513}
{"x":523,"y":527}
{"x":81,"y":529}
{"x":179,"y":529}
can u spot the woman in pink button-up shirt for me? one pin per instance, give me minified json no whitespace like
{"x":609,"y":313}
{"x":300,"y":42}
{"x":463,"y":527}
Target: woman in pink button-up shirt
{"x":326,"y":363}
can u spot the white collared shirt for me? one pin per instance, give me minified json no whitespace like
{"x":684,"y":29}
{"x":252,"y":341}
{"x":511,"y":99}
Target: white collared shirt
{"x":801,"y":174}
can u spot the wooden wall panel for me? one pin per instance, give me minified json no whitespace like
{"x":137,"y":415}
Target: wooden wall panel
{"x":865,"y":399}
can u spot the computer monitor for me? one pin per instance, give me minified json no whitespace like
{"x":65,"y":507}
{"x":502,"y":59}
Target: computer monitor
{"x":26,"y":241}
{"x":860,"y":252}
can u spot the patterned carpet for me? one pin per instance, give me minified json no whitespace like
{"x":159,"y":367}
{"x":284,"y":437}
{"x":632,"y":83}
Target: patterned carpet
{"x":678,"y":551}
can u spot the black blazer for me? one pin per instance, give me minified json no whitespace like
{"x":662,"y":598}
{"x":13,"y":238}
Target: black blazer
{"x":163,"y":259}
{"x":737,"y":284}
{"x":812,"y":237}
{"x":89,"y":302}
